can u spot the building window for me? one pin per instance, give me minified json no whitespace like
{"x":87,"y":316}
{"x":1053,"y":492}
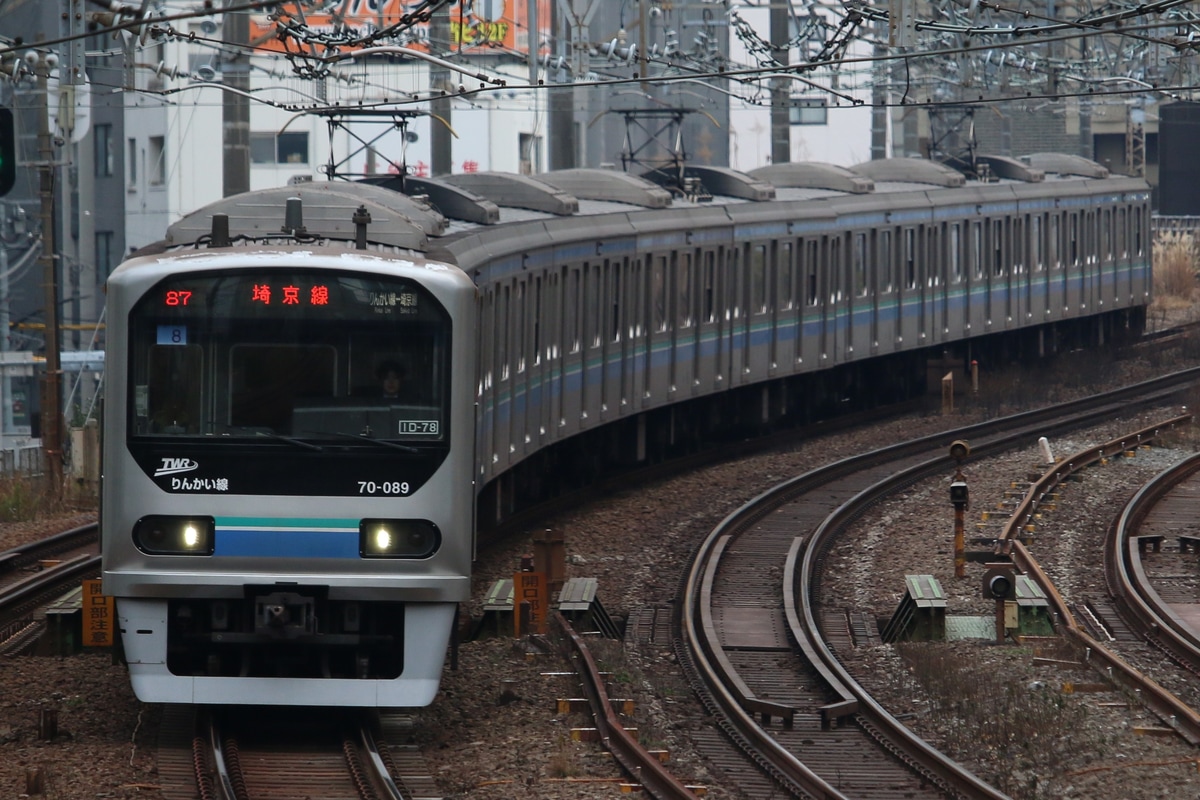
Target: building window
{"x":808,"y":111}
{"x":156,"y":168}
{"x":104,"y":255}
{"x":131,"y":159}
{"x":102,"y":140}
{"x":283,"y":148}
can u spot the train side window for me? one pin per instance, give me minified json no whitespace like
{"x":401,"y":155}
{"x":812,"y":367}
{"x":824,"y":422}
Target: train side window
{"x":520,"y":321}
{"x":488,"y":314}
{"x":710,"y":286}
{"x":860,"y":265}
{"x":614,"y":299}
{"x":1122,"y":234}
{"x":1018,"y":246}
{"x":883,"y":256}
{"x":1053,"y":243}
{"x":758,"y":279}
{"x":997,"y":248}
{"x":976,"y":251}
{"x":685,"y":289}
{"x":536,"y":321}
{"x":954,"y":252}
{"x":1039,"y":246}
{"x":1138,"y":221}
{"x":1110,"y":235}
{"x":810,"y":280}
{"x":658,"y":293}
{"x":787,"y":291}
{"x":1073,"y":240}
{"x":574,"y":308}
{"x":910,"y":258}
{"x":593,"y":308}
{"x":833,"y":249}
{"x":502,"y":332}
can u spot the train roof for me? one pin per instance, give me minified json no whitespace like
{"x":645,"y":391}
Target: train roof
{"x":413,"y":213}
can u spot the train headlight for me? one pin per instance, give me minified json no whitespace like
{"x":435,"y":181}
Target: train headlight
{"x":398,"y":538}
{"x":161,"y":535}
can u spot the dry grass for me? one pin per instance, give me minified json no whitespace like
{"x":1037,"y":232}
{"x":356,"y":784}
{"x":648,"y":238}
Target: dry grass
{"x":1176,"y":262}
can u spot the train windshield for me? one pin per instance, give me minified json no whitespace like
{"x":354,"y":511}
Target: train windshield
{"x":290,"y":355}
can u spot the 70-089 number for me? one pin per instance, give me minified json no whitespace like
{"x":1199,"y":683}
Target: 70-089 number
{"x":384,"y":487}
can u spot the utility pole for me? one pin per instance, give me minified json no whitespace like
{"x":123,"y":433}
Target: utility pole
{"x":562,"y":97}
{"x":441,"y":82}
{"x":52,"y":379}
{"x":235,"y":106}
{"x":781,"y":123}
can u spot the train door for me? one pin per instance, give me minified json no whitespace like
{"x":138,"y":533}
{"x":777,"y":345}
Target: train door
{"x":593,"y":364}
{"x":504,"y":391}
{"x":932,"y":264}
{"x":705,"y":342}
{"x":731,"y":294}
{"x":535,"y":369}
{"x":1036,"y":301}
{"x":910,"y":293}
{"x":760,"y":272}
{"x":570,"y":360}
{"x":485,"y":432}
{"x":837,"y":321}
{"x":860,"y":301}
{"x":783,"y":335}
{"x":636,"y":343}
{"x":1072,"y":267}
{"x":682,"y":335}
{"x":1122,"y":276}
{"x":610,"y":333}
{"x":1056,"y":280}
{"x":953,"y":294}
{"x":996,"y":278}
{"x":810,"y":343}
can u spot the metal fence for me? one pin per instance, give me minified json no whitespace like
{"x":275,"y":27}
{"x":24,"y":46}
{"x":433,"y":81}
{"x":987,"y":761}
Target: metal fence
{"x":22,"y":461}
{"x":1164,"y":224}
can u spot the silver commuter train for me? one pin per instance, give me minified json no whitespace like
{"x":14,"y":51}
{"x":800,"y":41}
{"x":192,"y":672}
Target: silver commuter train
{"x":277,"y":527}
{"x":601,"y":299}
{"x":794,"y":291}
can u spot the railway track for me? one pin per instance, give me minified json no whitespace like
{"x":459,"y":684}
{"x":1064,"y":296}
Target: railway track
{"x":235,"y":755}
{"x":761,"y":658}
{"x":34,"y":574}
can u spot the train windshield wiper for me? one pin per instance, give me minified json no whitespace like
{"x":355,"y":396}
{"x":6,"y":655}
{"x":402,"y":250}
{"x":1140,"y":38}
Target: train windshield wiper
{"x":253,"y":431}
{"x":290,"y":440}
{"x":404,"y":448}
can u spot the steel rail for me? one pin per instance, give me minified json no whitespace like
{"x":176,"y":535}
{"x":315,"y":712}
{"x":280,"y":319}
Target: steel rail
{"x":637,"y":762}
{"x":705,"y":651}
{"x":1183,"y":719}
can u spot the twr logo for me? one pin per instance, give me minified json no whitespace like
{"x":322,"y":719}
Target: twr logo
{"x":173,"y":466}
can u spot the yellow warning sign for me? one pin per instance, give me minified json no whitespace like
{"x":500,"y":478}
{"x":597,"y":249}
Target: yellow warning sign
{"x":99,"y":615}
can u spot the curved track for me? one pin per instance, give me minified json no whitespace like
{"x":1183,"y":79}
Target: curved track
{"x":762,"y":656}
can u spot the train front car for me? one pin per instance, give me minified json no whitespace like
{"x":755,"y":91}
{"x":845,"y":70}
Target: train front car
{"x":288,"y":511}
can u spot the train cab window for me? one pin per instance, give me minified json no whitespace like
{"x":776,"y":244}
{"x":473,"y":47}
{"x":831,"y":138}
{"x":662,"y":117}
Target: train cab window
{"x":288,"y":356}
{"x":173,"y":373}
